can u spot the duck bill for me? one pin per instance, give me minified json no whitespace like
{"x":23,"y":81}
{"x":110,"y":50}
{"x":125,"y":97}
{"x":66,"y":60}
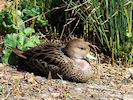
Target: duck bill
{"x":90,"y":57}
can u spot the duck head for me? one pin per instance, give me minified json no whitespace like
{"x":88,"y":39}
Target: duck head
{"x":77,"y":49}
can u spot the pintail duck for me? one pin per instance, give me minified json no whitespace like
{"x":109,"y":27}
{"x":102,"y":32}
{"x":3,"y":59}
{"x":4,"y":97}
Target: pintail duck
{"x":68,"y":61}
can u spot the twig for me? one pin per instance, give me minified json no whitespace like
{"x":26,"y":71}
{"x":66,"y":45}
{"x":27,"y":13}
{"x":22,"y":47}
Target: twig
{"x":56,"y":8}
{"x":74,"y":28}
{"x":104,"y":89}
{"x":6,"y":96}
{"x":71,"y":20}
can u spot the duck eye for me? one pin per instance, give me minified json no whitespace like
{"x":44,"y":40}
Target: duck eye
{"x":82,"y":48}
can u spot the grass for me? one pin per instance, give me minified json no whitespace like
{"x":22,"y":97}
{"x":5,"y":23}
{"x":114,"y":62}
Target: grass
{"x":105,"y":23}
{"x":111,"y":22}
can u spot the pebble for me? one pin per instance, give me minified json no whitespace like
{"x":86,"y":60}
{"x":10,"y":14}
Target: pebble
{"x":40,"y":80}
{"x":130,"y":70}
{"x":55,"y":95}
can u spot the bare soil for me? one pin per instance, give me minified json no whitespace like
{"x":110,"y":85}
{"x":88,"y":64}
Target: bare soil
{"x":108,"y":83}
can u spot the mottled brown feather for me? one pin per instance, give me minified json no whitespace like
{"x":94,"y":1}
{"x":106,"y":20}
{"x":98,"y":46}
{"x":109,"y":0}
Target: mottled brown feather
{"x":55,"y":58}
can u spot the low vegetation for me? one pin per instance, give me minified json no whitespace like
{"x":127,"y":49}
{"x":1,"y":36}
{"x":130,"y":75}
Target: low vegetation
{"x":107,"y":24}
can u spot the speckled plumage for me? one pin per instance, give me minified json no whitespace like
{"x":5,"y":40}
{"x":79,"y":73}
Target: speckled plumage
{"x":68,"y":61}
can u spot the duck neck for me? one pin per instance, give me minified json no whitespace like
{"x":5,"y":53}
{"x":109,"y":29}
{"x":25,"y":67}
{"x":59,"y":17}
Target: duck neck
{"x":64,"y":51}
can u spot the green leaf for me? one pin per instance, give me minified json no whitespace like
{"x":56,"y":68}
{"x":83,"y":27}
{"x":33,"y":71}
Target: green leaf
{"x":29,"y":44}
{"x":28,"y":31}
{"x":21,"y":25}
{"x":31,"y":11}
{"x":41,"y":20}
{"x":129,"y":34}
{"x":6,"y":55}
{"x":11,"y":40}
{"x":33,"y":41}
{"x":21,"y":40}
{"x":14,"y":26}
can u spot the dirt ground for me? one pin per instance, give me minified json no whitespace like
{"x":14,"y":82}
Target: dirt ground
{"x":108,"y":83}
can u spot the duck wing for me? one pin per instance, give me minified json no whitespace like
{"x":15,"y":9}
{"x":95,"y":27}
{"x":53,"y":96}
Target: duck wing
{"x":41,"y":58}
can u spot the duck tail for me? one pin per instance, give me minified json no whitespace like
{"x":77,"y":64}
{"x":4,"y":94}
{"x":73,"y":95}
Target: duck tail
{"x":19,"y":53}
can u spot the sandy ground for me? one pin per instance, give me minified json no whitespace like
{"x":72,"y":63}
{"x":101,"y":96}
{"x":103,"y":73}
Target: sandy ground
{"x":109,"y":83}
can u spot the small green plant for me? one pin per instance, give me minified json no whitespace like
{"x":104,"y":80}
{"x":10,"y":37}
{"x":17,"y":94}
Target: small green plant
{"x":17,"y":27}
{"x":7,"y":24}
{"x":23,"y":41}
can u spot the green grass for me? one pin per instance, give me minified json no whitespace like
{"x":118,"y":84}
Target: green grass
{"x":111,"y":22}
{"x":107,"y":23}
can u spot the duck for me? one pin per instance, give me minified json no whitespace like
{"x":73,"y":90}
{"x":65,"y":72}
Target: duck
{"x":66,"y":61}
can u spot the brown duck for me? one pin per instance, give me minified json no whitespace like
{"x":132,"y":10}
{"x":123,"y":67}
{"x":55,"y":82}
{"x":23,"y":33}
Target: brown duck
{"x":68,"y":61}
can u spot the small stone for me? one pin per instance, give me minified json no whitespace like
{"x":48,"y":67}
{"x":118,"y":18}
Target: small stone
{"x":50,"y":89}
{"x":130,"y":70}
{"x":40,"y":80}
{"x":128,"y":97}
{"x":55,"y":95}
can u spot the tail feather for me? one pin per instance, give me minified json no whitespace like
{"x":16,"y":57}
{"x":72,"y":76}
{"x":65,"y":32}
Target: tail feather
{"x":18,"y":53}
